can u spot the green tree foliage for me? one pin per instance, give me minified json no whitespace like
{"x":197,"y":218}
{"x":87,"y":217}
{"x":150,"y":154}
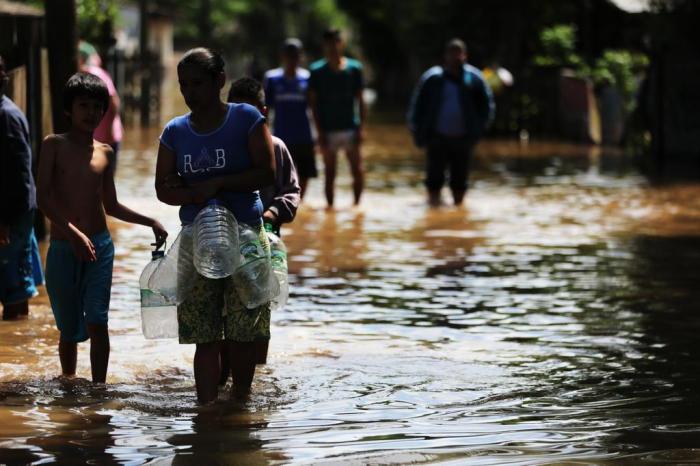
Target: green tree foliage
{"x":620,"y":69}
{"x":253,"y":30}
{"x":96,"y":18}
{"x":558,"y":47}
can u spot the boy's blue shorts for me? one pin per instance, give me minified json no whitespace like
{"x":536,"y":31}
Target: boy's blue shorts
{"x":79,"y":291}
{"x":20,"y":264}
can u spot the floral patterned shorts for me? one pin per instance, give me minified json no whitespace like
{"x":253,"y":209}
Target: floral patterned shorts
{"x":212,"y":311}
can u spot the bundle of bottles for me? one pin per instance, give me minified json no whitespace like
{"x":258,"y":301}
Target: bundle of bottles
{"x":214,"y":246}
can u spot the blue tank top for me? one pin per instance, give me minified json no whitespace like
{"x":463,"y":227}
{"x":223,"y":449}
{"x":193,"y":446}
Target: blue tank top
{"x":223,"y":151}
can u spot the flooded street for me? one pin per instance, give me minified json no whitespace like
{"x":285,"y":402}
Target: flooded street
{"x":552,"y":320}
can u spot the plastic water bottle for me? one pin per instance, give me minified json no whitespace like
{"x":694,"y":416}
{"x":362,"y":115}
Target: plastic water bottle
{"x":278,"y":258}
{"x":215,"y":241}
{"x":174,"y":276}
{"x":158,"y":316}
{"x":254,"y":279}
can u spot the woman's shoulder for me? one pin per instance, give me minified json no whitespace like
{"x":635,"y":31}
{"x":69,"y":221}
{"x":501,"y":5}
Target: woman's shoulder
{"x":178,"y":122}
{"x":243,"y":112}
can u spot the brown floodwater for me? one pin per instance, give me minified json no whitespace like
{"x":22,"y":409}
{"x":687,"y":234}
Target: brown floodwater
{"x":552,"y":320}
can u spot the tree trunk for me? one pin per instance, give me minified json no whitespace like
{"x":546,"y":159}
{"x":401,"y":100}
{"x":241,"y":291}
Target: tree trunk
{"x":62,"y":40}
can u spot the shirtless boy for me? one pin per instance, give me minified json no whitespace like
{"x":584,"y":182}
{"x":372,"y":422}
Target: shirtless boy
{"x":75,"y":190}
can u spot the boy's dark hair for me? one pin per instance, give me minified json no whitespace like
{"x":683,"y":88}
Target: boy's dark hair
{"x":456,"y":43}
{"x":248,"y":90}
{"x":332,"y":34}
{"x":83,"y":84}
{"x":292,"y":46}
{"x":210,"y":61}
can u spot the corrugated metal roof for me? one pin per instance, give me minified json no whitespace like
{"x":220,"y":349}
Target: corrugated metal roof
{"x":8,"y":8}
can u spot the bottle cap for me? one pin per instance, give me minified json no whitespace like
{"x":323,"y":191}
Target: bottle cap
{"x":268,"y":227}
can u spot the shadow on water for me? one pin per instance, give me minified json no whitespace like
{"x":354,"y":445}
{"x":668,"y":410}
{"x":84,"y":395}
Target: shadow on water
{"x":549,"y":321}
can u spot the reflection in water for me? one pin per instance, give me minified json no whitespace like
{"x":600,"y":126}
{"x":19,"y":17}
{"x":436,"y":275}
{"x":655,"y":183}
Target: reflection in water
{"x":551,"y":320}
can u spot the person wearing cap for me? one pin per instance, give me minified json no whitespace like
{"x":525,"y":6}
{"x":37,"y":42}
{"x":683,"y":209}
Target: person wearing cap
{"x":286,"y":92}
{"x":338,"y":109}
{"x":451,"y":108}
{"x":110,"y":130}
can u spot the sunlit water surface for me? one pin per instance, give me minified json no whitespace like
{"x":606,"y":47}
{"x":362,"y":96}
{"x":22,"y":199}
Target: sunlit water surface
{"x":552,"y":320}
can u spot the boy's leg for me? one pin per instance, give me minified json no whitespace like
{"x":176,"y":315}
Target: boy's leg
{"x":435,"y":164}
{"x":96,"y":286}
{"x":358,"y":175}
{"x":68,"y":355}
{"x":330,"y":160}
{"x":303,"y":183}
{"x":242,"y":357}
{"x":459,"y":155}
{"x":15,"y":311}
{"x":304,"y":158}
{"x":99,"y":351}
{"x":207,"y":371}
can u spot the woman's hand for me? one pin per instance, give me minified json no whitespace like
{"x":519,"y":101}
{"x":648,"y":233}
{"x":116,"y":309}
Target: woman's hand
{"x":173,"y":181}
{"x":205,"y":190}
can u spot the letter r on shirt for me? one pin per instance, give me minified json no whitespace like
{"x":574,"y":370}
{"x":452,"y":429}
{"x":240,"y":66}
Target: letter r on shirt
{"x":188,"y":164}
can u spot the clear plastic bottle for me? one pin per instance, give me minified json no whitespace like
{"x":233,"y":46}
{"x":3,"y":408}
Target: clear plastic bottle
{"x":278,"y":258}
{"x":158,"y":316}
{"x":215,"y":241}
{"x":174,"y":276}
{"x":254,"y":280}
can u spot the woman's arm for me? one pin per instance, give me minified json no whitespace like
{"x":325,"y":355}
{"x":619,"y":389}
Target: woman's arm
{"x":172,"y":192}
{"x":261,"y":174}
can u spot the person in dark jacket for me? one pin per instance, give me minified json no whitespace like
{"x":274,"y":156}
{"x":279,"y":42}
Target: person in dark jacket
{"x":20,"y":266}
{"x":451,"y":108}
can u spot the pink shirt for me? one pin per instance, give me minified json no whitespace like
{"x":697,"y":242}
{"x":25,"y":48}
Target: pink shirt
{"x":110,"y":128}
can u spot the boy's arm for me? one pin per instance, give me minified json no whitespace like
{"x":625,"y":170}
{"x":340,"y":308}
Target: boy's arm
{"x":359,"y":95}
{"x":169,"y":186}
{"x":363,"y":114}
{"x":313,"y":105}
{"x":283,"y":207}
{"x":261,"y":174}
{"x":82,"y":246}
{"x":117,"y":210}
{"x":269,"y":92}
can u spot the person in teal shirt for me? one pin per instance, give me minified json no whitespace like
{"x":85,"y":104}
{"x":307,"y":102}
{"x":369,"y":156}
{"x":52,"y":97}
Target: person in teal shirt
{"x":335,"y":98}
